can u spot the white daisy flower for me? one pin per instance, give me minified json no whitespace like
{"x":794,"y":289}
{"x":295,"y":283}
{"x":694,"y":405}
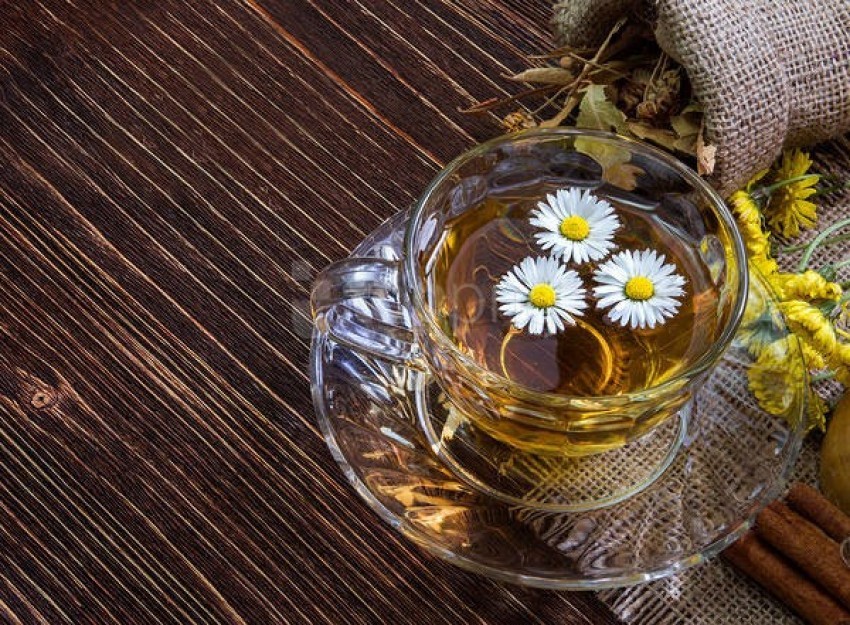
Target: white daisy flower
{"x":541,"y":293}
{"x":639,"y":287}
{"x":577,"y":225}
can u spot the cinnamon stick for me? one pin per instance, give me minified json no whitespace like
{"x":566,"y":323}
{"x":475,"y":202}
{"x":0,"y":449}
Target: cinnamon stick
{"x":804,"y":543}
{"x":819,"y":510}
{"x":757,"y":560}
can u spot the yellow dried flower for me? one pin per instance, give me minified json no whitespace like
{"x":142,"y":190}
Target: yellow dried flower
{"x":808,"y":286}
{"x":811,"y":325}
{"x":788,"y":210}
{"x":840,"y":363}
{"x":749,"y":220}
{"x":814,"y":359}
{"x":518,"y":120}
{"x":775,"y":377}
{"x":756,"y":240}
{"x":745,"y":208}
{"x":816,"y":410}
{"x":766,"y":266}
{"x":761,"y":324}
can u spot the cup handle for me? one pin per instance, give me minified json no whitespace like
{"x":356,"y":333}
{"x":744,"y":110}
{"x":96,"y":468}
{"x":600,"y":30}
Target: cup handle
{"x":358,"y":302}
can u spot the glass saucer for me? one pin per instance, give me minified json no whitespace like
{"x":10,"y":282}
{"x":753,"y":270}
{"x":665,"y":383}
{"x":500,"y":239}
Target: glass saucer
{"x":708,"y":473}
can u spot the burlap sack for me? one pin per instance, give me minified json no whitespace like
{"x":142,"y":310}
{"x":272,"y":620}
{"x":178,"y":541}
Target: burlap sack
{"x":770,"y":73}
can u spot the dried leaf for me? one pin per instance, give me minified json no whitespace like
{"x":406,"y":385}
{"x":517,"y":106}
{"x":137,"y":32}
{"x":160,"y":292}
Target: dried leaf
{"x":687,"y":126}
{"x":705,"y":156}
{"x":660,"y":136}
{"x":614,"y":161}
{"x":686,"y":145}
{"x":597,"y":111}
{"x":545,"y":76}
{"x":623,"y":175}
{"x":688,"y":122}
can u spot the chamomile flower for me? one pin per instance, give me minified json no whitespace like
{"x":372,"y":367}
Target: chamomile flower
{"x":577,"y":225}
{"x":541,"y":293}
{"x":641,"y":290}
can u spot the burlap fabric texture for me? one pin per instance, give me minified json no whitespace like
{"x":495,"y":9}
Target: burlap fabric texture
{"x":769,"y":73}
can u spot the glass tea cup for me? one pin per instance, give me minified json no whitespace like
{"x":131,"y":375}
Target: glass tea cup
{"x":400,"y":309}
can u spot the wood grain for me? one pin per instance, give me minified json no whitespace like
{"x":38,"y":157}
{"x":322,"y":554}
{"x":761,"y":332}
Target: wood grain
{"x":173,"y":175}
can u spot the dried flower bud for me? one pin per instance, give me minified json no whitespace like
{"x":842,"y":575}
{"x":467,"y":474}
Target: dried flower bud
{"x":518,"y":120}
{"x":568,"y":62}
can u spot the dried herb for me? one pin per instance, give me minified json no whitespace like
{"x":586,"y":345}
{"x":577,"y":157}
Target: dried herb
{"x":627,"y":85}
{"x":597,"y":111}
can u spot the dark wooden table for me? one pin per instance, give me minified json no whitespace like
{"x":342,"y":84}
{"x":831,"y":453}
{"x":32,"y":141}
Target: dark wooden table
{"x":172,"y":175}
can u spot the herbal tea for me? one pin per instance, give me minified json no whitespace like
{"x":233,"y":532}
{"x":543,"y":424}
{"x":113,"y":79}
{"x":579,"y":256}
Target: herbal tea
{"x":605,"y":300}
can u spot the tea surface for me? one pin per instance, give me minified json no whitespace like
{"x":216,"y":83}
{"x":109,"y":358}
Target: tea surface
{"x":594,"y":357}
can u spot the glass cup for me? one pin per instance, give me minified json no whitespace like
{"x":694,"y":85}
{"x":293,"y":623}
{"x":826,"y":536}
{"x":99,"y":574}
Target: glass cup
{"x":386,"y":306}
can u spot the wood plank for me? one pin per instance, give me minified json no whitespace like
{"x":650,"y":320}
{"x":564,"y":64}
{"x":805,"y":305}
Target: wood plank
{"x":172,"y":175}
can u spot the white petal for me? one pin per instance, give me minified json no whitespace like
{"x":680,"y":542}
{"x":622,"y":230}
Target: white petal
{"x":546,"y":220}
{"x":616,"y":315}
{"x":640,"y":313}
{"x":606,"y":289}
{"x":513,"y":309}
{"x":522,"y":319}
{"x":535,"y":326}
{"x":552,"y":268}
{"x":610,"y":300}
{"x":552,"y":324}
{"x":511,"y":297}
{"x":567,"y":317}
{"x":529,"y":268}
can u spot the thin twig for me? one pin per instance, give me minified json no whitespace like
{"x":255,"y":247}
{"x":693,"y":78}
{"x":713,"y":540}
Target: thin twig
{"x":657,"y":70}
{"x":596,"y":57}
{"x":630,"y":34}
{"x":492,"y":103}
{"x":551,"y":100}
{"x":568,"y":108}
{"x":559,"y":52}
{"x":594,"y":64}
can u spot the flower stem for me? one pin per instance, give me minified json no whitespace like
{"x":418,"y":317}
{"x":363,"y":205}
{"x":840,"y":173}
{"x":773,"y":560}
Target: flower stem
{"x":822,"y":376}
{"x":833,"y":188}
{"x":830,"y":241}
{"x":813,"y":245}
{"x":768,"y":190}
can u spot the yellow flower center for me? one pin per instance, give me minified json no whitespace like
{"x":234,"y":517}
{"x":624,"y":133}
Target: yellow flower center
{"x":639,"y":288}
{"x":542,"y":295}
{"x":575,"y":228}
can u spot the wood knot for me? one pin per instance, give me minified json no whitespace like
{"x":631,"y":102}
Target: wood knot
{"x":43,"y":398}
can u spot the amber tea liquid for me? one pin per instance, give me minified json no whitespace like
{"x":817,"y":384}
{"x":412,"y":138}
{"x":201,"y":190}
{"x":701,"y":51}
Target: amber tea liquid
{"x":596,"y":357}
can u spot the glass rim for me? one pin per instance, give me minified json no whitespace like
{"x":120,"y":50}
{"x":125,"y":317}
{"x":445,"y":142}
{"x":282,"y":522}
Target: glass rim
{"x":415,"y":288}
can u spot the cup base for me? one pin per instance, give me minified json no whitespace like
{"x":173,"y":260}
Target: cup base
{"x":562,"y":483}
